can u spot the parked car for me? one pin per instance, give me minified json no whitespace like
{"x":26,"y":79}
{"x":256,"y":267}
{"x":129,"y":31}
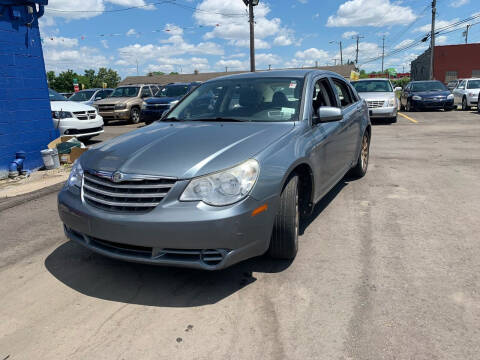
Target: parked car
{"x":67,"y":94}
{"x":466,"y":93}
{"x":72,"y":118}
{"x":380,"y":96}
{"x":453,"y":84}
{"x":215,"y":183}
{"x":89,"y":96}
{"x":426,"y":95}
{"x":124,"y":103}
{"x":166,"y":97}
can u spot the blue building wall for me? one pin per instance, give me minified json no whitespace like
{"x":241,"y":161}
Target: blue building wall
{"x":25,"y":115}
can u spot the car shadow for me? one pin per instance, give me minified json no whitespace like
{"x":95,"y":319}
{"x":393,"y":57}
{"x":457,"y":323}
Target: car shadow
{"x":381,"y":122}
{"x":323,"y":204}
{"x":104,"y":278}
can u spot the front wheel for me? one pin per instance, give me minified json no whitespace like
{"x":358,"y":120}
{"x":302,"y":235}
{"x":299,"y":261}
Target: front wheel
{"x":135,"y":115}
{"x":393,"y":120}
{"x":465,"y":106}
{"x":284,"y":241}
{"x":360,"y":169}
{"x":409,"y":106}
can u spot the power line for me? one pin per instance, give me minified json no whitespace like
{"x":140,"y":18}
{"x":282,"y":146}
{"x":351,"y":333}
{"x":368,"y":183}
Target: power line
{"x":171,"y":2}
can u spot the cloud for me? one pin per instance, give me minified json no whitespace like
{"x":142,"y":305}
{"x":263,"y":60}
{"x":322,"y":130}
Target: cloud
{"x":232,"y":64}
{"x":59,"y":41}
{"x":259,"y":43}
{"x":104,"y":43}
{"x":403,"y":44}
{"x":438,"y":24}
{"x":458,"y":3}
{"x":349,"y":34}
{"x":236,"y":28}
{"x":309,"y":57}
{"x":376,"y":13}
{"x":131,"y":32}
{"x":75,"y":59}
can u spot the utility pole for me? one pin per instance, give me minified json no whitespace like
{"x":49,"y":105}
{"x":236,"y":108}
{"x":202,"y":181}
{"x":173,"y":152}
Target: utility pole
{"x":341,"y":50}
{"x":335,"y":64}
{"x":136,"y":60}
{"x":383,"y":51}
{"x":251,"y":4}
{"x":432,"y":39}
{"x":465,"y":33}
{"x":358,"y":37}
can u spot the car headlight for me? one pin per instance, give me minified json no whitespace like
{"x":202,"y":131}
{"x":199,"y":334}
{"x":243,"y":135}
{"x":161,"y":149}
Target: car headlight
{"x":224,"y":187}
{"x":62,"y":114}
{"x":391,"y":102}
{"x":450,"y":97}
{"x":120,"y":106}
{"x":416,"y":97}
{"x":144,"y":105}
{"x":76,"y":175}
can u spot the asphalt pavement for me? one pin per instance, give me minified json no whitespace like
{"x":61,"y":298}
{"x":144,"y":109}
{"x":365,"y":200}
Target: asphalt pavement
{"x":388,"y":268}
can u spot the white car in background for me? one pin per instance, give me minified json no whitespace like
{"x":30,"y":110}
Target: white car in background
{"x":380,"y":97}
{"x":72,"y":118}
{"x":466,"y":93}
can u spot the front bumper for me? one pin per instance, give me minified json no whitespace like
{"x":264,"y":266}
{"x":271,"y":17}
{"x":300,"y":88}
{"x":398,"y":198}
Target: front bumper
{"x":79,"y":128}
{"x":151,"y":115}
{"x":430,"y":104}
{"x":116,"y":114}
{"x":383,"y":112}
{"x":174,"y":233}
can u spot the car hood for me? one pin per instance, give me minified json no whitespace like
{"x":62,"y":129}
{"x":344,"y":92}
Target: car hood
{"x":183,"y":150}
{"x":431,"y":94}
{"x":376,"y":95}
{"x":161,"y":100}
{"x":114,"y":100}
{"x":69,"y":106}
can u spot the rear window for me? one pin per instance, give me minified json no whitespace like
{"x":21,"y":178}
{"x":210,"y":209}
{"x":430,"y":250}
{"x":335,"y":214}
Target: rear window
{"x":372,"y":86}
{"x":428,"y":86}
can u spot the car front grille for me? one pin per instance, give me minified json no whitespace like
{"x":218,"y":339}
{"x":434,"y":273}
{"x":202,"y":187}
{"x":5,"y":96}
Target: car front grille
{"x":139,"y":195}
{"x":372,"y":104}
{"x":106,"y":107}
{"x":85,"y":115}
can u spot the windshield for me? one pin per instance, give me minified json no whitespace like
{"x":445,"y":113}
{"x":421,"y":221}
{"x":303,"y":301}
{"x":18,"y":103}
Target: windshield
{"x":82,"y":95}
{"x":243,"y":99}
{"x":127,"y":91}
{"x":54,"y":96}
{"x":372,"y":86}
{"x":172,"y":91}
{"x":473,"y":84}
{"x":428,"y":86}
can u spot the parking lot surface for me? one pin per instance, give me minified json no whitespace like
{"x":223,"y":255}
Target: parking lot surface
{"x":388,"y":268}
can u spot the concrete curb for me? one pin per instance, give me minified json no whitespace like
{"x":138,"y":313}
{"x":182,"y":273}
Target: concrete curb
{"x":8,"y":203}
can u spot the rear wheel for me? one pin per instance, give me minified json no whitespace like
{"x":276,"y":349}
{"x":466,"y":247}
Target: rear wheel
{"x":284,"y":241}
{"x":135,"y":115}
{"x":465,"y":106}
{"x":362,"y":163}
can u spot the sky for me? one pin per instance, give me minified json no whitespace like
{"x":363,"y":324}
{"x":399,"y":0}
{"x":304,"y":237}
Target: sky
{"x":213,"y":35}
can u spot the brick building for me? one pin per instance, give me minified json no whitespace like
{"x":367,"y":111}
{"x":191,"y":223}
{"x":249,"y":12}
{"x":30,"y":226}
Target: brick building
{"x":451,"y":62}
{"x":25,"y":115}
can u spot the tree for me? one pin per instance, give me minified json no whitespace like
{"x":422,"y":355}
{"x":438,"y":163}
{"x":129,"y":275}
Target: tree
{"x":64,"y":81}
{"x":152,"y":73}
{"x":108,"y":76}
{"x":51,"y":78}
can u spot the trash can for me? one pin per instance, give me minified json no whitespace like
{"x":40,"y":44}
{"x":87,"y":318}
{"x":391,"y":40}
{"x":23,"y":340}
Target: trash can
{"x":50,"y":158}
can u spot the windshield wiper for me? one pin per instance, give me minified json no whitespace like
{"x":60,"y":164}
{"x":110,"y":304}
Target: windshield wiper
{"x":221,"y":119}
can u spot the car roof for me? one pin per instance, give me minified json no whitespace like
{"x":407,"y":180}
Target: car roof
{"x":295,"y":73}
{"x":372,"y":79}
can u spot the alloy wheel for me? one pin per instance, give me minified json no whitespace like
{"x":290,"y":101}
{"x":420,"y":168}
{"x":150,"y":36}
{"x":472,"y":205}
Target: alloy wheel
{"x":365,"y":152}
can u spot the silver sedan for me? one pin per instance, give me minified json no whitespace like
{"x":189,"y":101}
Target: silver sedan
{"x":380,"y":97}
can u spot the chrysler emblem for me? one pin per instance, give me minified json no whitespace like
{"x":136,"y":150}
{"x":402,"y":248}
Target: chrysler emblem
{"x":117,"y":176}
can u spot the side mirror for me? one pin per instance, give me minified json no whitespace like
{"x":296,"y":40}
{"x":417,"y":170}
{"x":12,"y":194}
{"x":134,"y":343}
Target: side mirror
{"x":327,"y":114}
{"x":398,"y":88}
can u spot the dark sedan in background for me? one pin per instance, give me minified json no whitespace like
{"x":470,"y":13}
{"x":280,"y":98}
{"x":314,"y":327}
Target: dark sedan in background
{"x":166,"y":97}
{"x":426,"y":95}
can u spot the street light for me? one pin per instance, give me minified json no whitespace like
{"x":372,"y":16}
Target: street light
{"x":341,"y":50}
{"x":251,"y":4}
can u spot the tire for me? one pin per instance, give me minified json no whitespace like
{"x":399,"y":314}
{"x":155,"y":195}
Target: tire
{"x":448,"y":109}
{"x":284,"y":240}
{"x":105,"y":122}
{"x":393,"y":120}
{"x":409,"y":107}
{"x":360,"y":169}
{"x":402,"y":108}
{"x":135,"y":115}
{"x":465,"y":106}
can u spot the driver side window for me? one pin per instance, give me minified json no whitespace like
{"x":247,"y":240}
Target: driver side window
{"x":322,"y":95}
{"x":343,"y":93}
